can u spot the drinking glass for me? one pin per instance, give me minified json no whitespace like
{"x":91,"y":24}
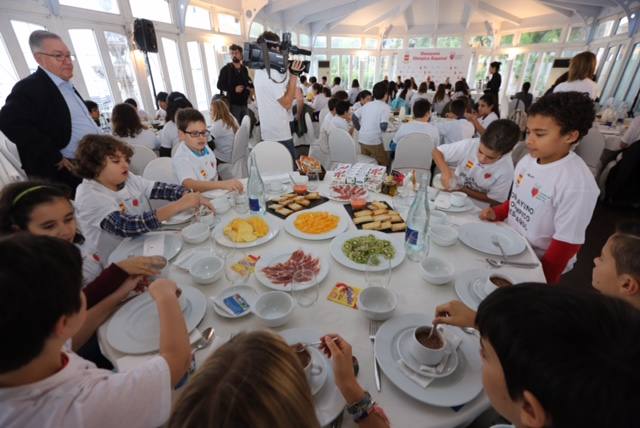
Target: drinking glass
{"x":314,"y":178}
{"x":304,"y":287}
{"x":235,"y":269}
{"x":241,"y":202}
{"x":378,"y":273}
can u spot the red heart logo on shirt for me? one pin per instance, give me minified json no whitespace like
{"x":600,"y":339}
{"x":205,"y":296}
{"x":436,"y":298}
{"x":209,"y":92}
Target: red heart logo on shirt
{"x":96,"y":257}
{"x":135,"y":203}
{"x":487,"y":176}
{"x":535,"y":191}
{"x":452,"y":55}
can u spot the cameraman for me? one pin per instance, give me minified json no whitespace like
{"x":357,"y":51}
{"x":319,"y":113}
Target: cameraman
{"x":235,"y":82}
{"x":275,"y":96}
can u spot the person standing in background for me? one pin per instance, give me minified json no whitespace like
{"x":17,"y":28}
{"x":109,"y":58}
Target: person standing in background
{"x":235,"y":82}
{"x":493,"y":85}
{"x":161,"y":99}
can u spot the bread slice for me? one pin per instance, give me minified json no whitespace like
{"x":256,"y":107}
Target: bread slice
{"x":375,"y":225}
{"x":294,"y":206}
{"x":365,"y":219}
{"x":362,"y":213}
{"x":284,"y":211}
{"x":397,"y":227}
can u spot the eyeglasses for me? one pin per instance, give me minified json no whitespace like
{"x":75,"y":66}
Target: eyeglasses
{"x":196,"y":134}
{"x":59,"y":57}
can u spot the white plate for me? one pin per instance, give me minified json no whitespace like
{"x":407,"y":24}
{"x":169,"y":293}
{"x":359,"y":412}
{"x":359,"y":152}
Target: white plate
{"x":249,"y":294}
{"x":328,"y":402}
{"x":130,"y":247}
{"x":457,"y":389}
{"x":213,"y":194}
{"x":340,"y":227}
{"x":338,"y":241}
{"x":464,"y":287}
{"x":402,"y":345}
{"x":317,"y":381}
{"x":468,"y":206}
{"x":222,"y":239}
{"x":135,"y":327}
{"x":179,"y":218}
{"x":268,"y":260}
{"x":478,"y":237}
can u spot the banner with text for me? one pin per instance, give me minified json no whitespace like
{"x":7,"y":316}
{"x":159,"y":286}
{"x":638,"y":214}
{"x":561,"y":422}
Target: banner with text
{"x":437,"y":63}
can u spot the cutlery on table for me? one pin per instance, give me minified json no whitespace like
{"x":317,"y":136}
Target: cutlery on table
{"x":496,"y":241}
{"x":500,"y":263}
{"x":373,"y":330}
{"x":208,"y":336}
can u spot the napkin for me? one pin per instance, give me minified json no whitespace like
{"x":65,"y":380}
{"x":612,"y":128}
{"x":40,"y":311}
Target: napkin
{"x":423,"y":379}
{"x":129,"y":362}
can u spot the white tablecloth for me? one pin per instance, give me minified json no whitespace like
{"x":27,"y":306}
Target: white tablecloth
{"x":415,"y":295}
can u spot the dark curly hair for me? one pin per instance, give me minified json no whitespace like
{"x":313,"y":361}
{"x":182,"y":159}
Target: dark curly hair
{"x":572,"y":111}
{"x":125,"y":121}
{"x":92,"y":153}
{"x":176,"y":101}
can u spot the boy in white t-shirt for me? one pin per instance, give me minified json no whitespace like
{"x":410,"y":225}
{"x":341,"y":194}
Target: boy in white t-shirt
{"x":194,"y":163}
{"x":420,"y":125}
{"x":42,"y":383}
{"x":484,"y":169}
{"x":554,"y":192}
{"x":113,"y":203}
{"x":371,"y":120}
{"x":326,"y":127}
{"x":342,"y":117}
{"x":457,"y":129}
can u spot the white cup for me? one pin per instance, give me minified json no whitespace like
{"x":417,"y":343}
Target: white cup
{"x":490,"y":286}
{"x":438,"y":217}
{"x":221,"y":204}
{"x":458,"y":199}
{"x":424,"y":354}
{"x":208,"y":218}
{"x":310,"y":370}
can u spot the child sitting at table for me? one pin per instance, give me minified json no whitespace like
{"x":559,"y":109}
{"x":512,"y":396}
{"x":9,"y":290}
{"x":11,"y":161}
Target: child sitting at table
{"x":554,"y":192}
{"x":371,"y":121}
{"x":488,"y":112}
{"x":420,"y":125}
{"x":342,"y":117}
{"x":113,"y":203}
{"x":363,"y":98}
{"x":484,"y":169}
{"x":42,"y":383}
{"x":194,"y":163}
{"x":326,"y":127}
{"x":257,"y":380}
{"x":457,"y":127}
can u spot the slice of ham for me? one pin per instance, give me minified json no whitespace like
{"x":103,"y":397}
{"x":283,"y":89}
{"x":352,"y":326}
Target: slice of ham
{"x":282,"y":273}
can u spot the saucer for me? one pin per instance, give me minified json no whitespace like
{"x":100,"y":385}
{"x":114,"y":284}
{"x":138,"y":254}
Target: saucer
{"x":402,"y":344}
{"x":477,"y":288}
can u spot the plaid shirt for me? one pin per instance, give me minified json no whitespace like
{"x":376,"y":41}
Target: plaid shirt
{"x":126,"y":225}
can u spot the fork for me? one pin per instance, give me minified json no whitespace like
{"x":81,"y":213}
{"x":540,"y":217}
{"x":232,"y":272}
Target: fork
{"x":373,"y":330}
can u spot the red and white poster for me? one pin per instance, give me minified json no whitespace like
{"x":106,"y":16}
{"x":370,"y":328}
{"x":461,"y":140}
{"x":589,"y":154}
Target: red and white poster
{"x":437,"y":63}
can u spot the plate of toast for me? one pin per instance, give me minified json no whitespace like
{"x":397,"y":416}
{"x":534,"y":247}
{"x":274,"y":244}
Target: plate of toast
{"x":377,"y":215}
{"x":289,"y":203}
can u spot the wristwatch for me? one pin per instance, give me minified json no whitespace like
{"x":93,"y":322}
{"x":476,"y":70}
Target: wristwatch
{"x":360,"y":409}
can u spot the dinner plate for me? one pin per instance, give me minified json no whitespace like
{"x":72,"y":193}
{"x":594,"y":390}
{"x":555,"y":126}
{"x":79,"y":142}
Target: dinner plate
{"x":222,"y":239}
{"x":468,"y":205}
{"x":213,"y":194}
{"x":328,"y":402}
{"x":464,"y":286}
{"x":402,"y":344}
{"x":130,"y":247}
{"x":280,"y":257}
{"x":135,"y":327}
{"x":462,"y":386}
{"x":342,"y":225}
{"x":478,"y":236}
{"x":317,"y":381}
{"x":338,"y":254}
{"x":180,"y":218}
{"x":249,"y":294}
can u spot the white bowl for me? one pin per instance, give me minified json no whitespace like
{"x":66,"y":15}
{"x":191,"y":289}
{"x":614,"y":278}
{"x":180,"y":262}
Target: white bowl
{"x":438,"y":217}
{"x":195,"y":233}
{"x":436,"y":270}
{"x":207,"y":270}
{"x":274,"y":308}
{"x":458,"y":199}
{"x":221,"y":204}
{"x":377,"y":303}
{"x":444,"y":235}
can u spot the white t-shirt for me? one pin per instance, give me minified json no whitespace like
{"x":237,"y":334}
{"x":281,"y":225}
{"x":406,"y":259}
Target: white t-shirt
{"x":81,"y":395}
{"x":274,"y":119}
{"x":584,"y":86}
{"x":552,"y":201}
{"x":493,"y":179}
{"x":357,"y":106}
{"x":224,"y":137}
{"x":145,"y":138}
{"x":319,"y":102}
{"x":94,"y":202}
{"x":187,"y":164}
{"x":336,"y":88}
{"x":144,"y":117}
{"x":340,"y":122}
{"x":417,"y":127}
{"x":169,"y":135}
{"x":488,"y":119}
{"x":161,"y":114}
{"x":353,"y":94}
{"x":633,"y":133}
{"x":325,"y":129}
{"x":92,"y":264}
{"x":371,"y":115}
{"x":417,"y":96}
{"x":455,"y":130}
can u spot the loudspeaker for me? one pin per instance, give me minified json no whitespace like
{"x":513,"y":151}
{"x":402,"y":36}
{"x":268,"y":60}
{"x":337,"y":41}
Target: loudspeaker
{"x":145,"y":35}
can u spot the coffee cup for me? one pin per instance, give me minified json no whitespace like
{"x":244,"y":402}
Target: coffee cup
{"x":458,"y":199}
{"x":221,"y":204}
{"x":306,"y":360}
{"x":494,"y":281}
{"x":426,"y":349}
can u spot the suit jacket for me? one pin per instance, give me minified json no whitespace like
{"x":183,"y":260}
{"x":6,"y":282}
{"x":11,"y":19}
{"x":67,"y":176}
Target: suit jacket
{"x":229,"y":78}
{"x":36,"y":118}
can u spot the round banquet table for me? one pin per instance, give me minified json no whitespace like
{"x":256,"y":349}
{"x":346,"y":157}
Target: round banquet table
{"x":415,"y":295}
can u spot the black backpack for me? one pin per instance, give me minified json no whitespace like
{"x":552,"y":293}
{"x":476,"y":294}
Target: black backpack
{"x":622,"y":188}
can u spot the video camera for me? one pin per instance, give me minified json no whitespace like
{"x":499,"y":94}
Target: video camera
{"x":273,"y":55}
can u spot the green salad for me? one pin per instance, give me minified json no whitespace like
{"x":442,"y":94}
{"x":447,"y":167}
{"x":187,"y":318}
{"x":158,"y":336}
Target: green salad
{"x":361,"y":248}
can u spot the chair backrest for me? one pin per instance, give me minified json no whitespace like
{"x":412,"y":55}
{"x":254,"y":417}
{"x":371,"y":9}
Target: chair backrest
{"x":322,"y":114}
{"x":311,"y":133}
{"x":175,"y":148}
{"x":342,"y":149}
{"x":414,"y":152}
{"x":160,"y":169}
{"x":141,"y":157}
{"x":241,"y":140}
{"x":590,"y":149}
{"x":10,"y":154}
{"x":272,"y":158}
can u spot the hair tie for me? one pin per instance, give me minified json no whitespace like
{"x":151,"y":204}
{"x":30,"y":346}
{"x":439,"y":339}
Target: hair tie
{"x":26,"y":192}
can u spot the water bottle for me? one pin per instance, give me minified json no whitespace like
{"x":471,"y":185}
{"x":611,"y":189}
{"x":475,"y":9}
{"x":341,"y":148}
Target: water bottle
{"x":416,"y":240}
{"x":255,"y":189}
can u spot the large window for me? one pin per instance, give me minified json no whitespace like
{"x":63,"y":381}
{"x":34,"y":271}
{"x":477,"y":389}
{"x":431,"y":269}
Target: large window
{"x":535,"y":37}
{"x":110,"y":6}
{"x":8,"y":75}
{"x":158,"y":75}
{"x":355,"y":71}
{"x":256,"y":29}
{"x":345,"y":70}
{"x":482,"y":42}
{"x":542,"y":83}
{"x":631,"y":70}
{"x":449,"y":42}
{"x":93,"y":71}
{"x":370,"y":71}
{"x":321,"y":42}
{"x":23,"y":30}
{"x":122,"y":66}
{"x":334,"y":67}
{"x":229,"y":24}
{"x":613,"y":79}
{"x":604,"y":29}
{"x":343,"y":42}
{"x":606,"y":67}
{"x":420,"y":42}
{"x":197,"y":72}
{"x":172,"y":57}
{"x":198,"y":17}
{"x":506,"y":40}
{"x":370,"y":43}
{"x":212,"y":66}
{"x":577,"y":34}
{"x":482,"y":68}
{"x":313,"y":70}
{"x":516,"y":74}
{"x":530,"y":68}
{"x":391,"y":43}
{"x":305,"y":40}
{"x":623,"y":25}
{"x":155,"y":10}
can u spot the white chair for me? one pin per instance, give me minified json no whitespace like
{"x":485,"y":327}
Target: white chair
{"x":519,"y":151}
{"x":160,"y":169}
{"x":141,"y":157}
{"x":175,"y":148}
{"x":590,"y":149}
{"x":342,"y":149}
{"x":237,"y":168}
{"x":414,"y":152}
{"x":320,"y":149}
{"x":323,"y":113}
{"x":11,"y":156}
{"x":514,"y":105}
{"x":272,"y":158}
{"x":311,"y":132}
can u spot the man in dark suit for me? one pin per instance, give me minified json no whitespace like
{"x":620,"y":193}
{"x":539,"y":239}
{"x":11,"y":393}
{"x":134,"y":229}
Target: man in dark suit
{"x":45,"y":116}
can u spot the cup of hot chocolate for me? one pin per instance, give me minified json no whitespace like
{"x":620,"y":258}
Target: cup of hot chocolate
{"x":429,"y":349}
{"x":495,"y":281}
{"x":304,"y":356}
